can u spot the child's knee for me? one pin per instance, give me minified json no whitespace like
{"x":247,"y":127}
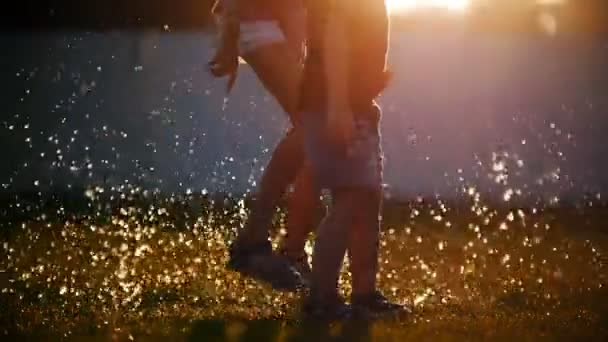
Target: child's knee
{"x":358,"y":201}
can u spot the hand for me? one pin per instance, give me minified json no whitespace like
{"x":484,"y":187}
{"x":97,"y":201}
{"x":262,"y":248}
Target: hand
{"x":225,"y":62}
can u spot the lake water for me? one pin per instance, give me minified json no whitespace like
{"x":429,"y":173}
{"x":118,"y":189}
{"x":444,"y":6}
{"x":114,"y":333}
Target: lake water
{"x":516,"y":116}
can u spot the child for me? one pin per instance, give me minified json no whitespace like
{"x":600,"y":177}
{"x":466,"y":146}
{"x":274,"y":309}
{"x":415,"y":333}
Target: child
{"x":344,"y":71}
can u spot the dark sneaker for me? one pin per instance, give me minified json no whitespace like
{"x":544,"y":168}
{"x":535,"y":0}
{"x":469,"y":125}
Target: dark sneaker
{"x":376,"y":305}
{"x":301,"y":265}
{"x":325,"y":310}
{"x":260,"y":263}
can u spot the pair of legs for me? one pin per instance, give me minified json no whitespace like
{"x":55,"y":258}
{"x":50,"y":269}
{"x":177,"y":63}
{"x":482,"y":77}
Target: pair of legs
{"x":354,"y":176}
{"x":278,"y":67}
{"x":352,"y":224}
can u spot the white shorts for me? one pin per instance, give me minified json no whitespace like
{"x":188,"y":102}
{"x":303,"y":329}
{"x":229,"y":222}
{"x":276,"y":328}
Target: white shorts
{"x":255,"y":34}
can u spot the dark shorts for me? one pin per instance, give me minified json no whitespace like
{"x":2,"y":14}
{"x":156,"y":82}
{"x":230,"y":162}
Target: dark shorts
{"x":359,"y":165}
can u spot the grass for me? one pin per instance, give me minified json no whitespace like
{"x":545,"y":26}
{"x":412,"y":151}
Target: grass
{"x":138,"y":272}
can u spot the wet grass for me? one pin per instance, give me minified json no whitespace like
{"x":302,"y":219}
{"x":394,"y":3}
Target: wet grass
{"x":138,"y":272}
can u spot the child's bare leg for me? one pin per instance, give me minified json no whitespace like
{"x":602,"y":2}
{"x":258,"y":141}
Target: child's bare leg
{"x":281,"y":171}
{"x":278,"y":68}
{"x":331,"y":243}
{"x":366,"y":299}
{"x":353,"y":222}
{"x":363,"y":244}
{"x":365,"y":232}
{"x":252,"y":253}
{"x":302,"y":215}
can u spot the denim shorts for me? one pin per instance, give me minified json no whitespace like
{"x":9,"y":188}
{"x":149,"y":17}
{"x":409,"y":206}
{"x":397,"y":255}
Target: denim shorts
{"x":358,"y":165}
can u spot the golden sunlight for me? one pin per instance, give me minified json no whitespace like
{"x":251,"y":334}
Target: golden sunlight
{"x":396,"y":6}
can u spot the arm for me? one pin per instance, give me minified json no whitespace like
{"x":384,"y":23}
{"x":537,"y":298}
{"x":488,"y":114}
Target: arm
{"x":226,"y":17}
{"x":226,"y":7}
{"x":225,"y":61}
{"x":336,"y":62}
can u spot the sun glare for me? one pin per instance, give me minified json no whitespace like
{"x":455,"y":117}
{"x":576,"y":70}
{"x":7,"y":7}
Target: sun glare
{"x":396,"y":6}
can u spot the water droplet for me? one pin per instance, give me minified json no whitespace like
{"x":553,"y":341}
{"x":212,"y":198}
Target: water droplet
{"x":507,"y":195}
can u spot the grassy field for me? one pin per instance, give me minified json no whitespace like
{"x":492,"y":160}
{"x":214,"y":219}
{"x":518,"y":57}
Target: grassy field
{"x":139,"y":273}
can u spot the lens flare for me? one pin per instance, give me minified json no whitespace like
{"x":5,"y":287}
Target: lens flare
{"x":399,"y":6}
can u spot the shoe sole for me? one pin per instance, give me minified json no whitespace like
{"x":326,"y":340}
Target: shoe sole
{"x":261,"y":278}
{"x":382,"y":315}
{"x":344,"y":316}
